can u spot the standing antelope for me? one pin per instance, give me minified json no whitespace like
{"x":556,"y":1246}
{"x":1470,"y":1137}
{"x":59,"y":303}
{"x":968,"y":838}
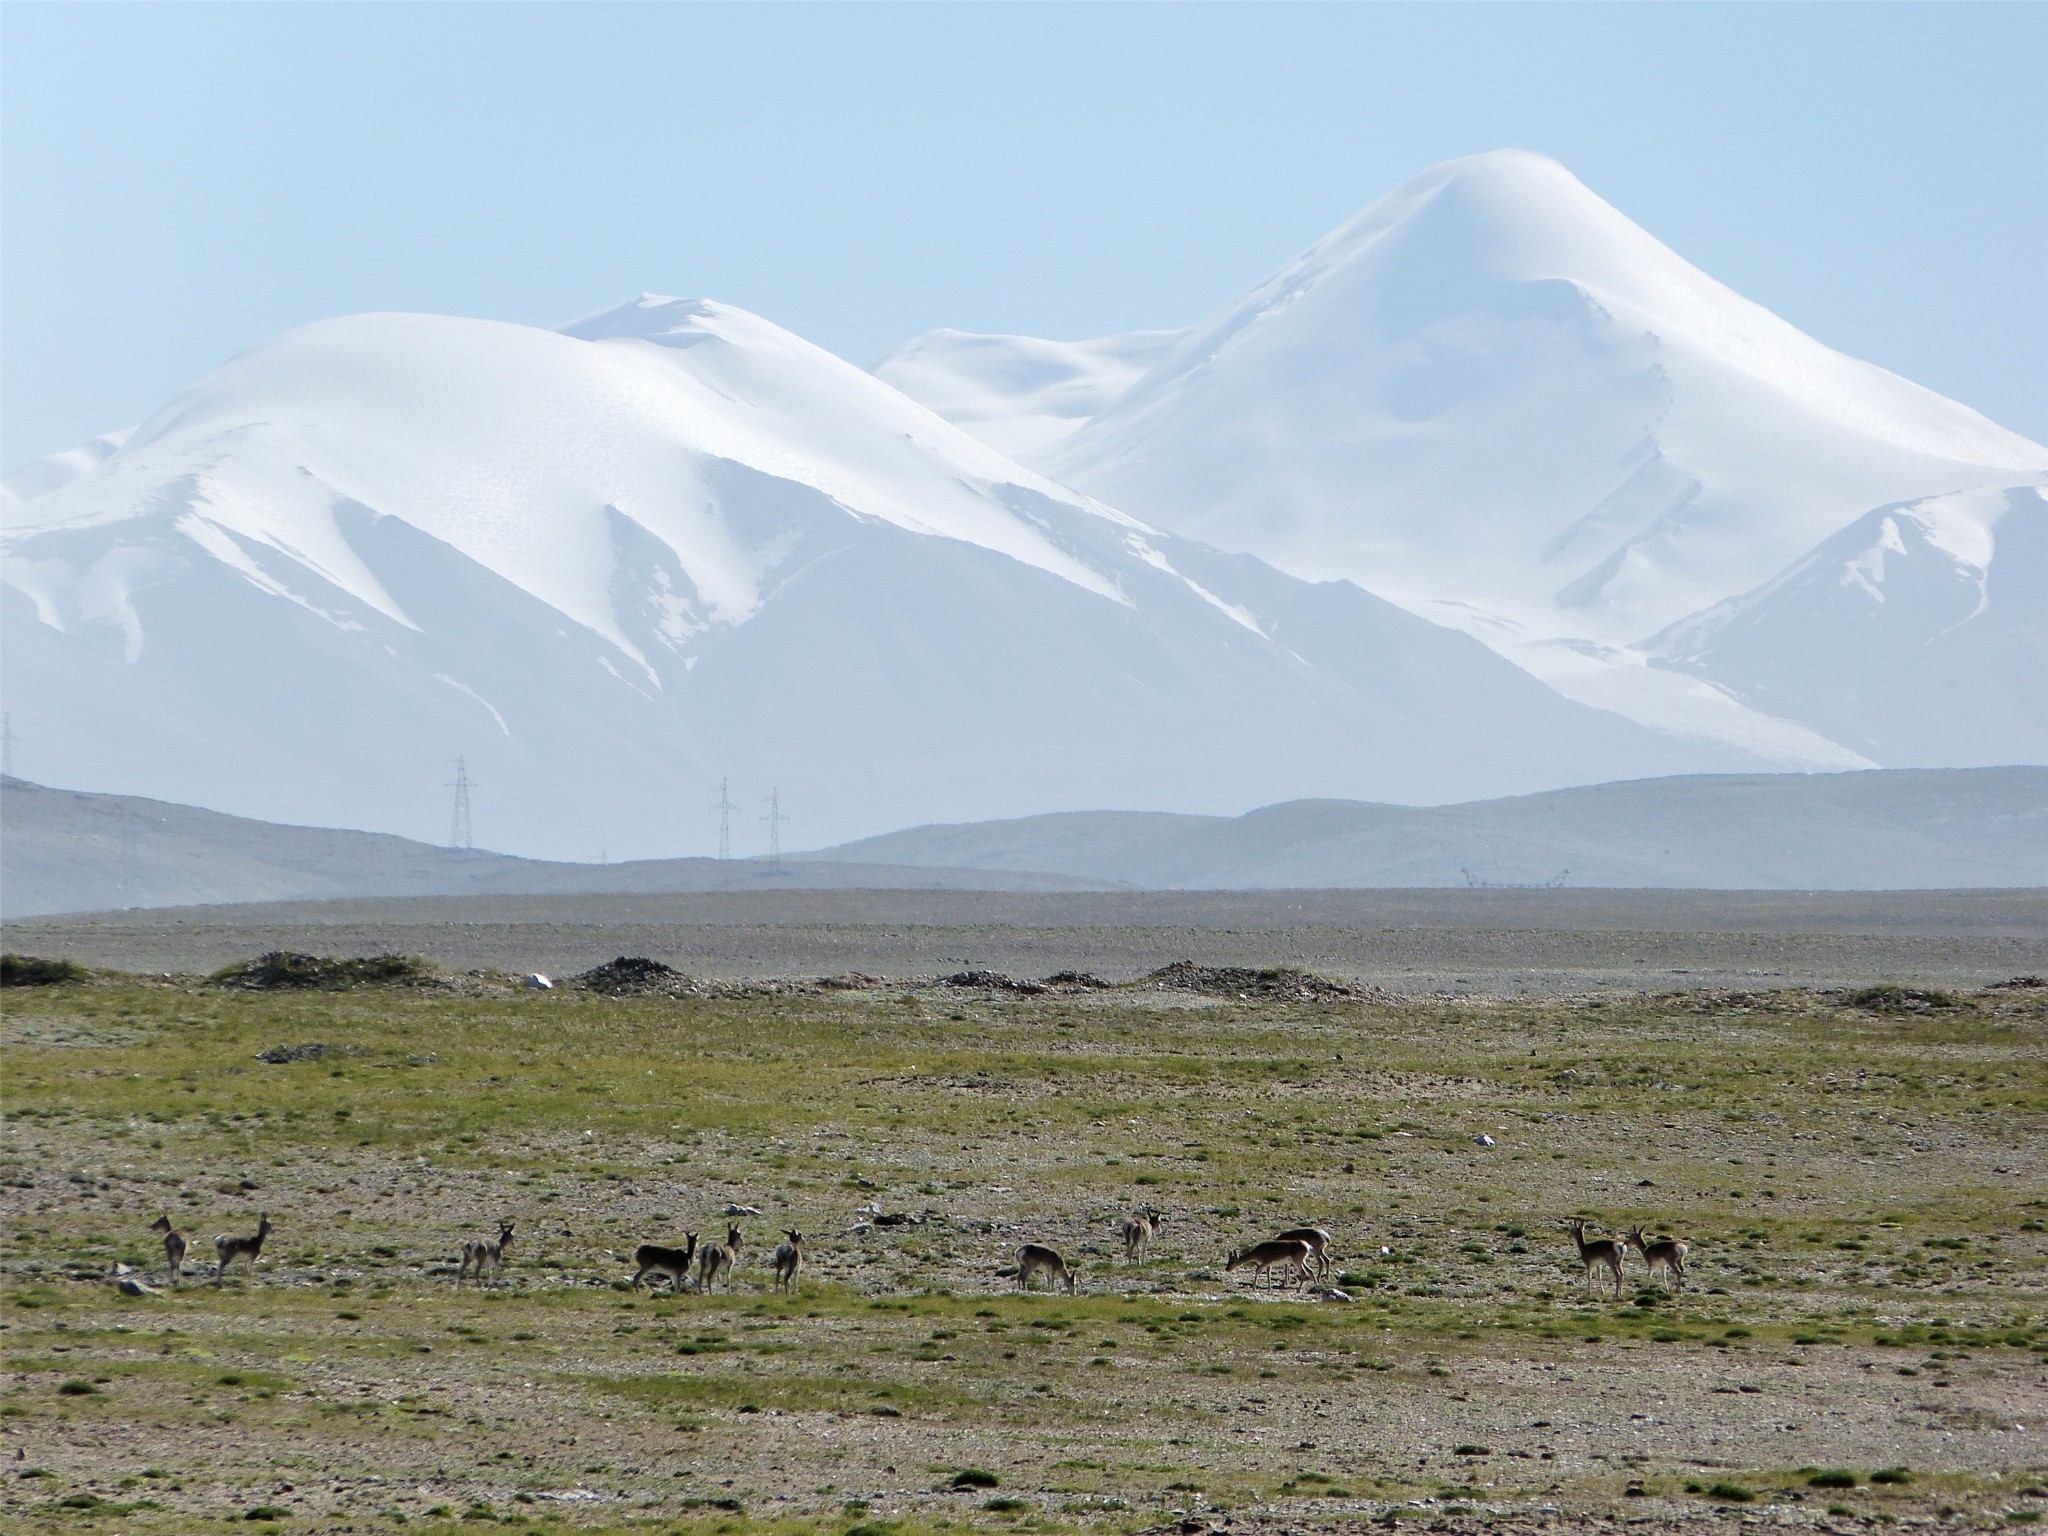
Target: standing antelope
{"x":714,"y":1258}
{"x":1037,"y":1259}
{"x":789,"y":1258}
{"x":1139,"y":1231}
{"x":229,"y":1249}
{"x":654,"y":1259}
{"x":1602,"y":1250}
{"x":1664,"y":1253}
{"x":1318,"y":1241}
{"x":174,"y":1244}
{"x":1276,"y":1251}
{"x":477,"y":1255}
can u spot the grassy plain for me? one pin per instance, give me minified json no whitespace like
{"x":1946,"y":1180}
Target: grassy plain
{"x":1863,"y":1180}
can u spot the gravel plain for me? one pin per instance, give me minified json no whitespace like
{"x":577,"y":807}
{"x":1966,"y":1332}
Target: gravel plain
{"x":1504,"y":942}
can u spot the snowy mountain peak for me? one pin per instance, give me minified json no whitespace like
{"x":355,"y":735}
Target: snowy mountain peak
{"x":1493,"y":398}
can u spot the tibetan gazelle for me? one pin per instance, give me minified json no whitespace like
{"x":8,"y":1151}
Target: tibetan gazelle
{"x":655,"y":1259}
{"x":1318,"y":1241}
{"x":479,"y":1255}
{"x":1663,"y":1253}
{"x":1601,"y":1250}
{"x":229,"y":1249}
{"x":1139,"y":1231}
{"x":175,"y":1244}
{"x":1278,"y":1252}
{"x":714,"y":1259}
{"x":789,"y":1258}
{"x":1037,"y":1259}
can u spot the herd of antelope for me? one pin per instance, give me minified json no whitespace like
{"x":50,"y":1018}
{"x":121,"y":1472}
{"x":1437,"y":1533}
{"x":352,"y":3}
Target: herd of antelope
{"x":1302,"y":1252}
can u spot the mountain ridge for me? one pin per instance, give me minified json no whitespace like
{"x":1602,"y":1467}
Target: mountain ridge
{"x":676,"y":544}
{"x":1493,"y":399}
{"x":1883,"y":829}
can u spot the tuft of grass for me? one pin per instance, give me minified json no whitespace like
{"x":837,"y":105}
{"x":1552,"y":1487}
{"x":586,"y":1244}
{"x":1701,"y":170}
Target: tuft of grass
{"x":1893,"y":1477}
{"x":975,"y":1477}
{"x":1733,"y":1493}
{"x":1834,"y":1478}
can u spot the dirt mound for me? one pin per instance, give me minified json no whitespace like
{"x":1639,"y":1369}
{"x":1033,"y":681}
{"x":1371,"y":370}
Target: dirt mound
{"x":33,"y":971}
{"x":632,"y":976}
{"x":994,"y":981}
{"x":1265,"y":983}
{"x":285,"y":970}
{"x":852,"y":981}
{"x":1902,"y":1000}
{"x":278,"y":1055}
{"x":1078,"y":981}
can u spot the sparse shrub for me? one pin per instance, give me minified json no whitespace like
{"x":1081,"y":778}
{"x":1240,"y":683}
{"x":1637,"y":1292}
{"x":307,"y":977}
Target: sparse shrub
{"x":286,"y":970}
{"x":33,"y":971}
{"x":1734,"y":1493}
{"x":975,"y":1477}
{"x":77,"y":1388}
{"x":1889,"y":998}
{"x":1891,"y":1476}
{"x":1832,"y":1479}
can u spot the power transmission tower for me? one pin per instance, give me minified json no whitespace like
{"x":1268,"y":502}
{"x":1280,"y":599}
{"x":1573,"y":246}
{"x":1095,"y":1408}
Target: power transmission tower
{"x":458,"y":827}
{"x":775,"y":819}
{"x":725,"y":808}
{"x":7,"y":745}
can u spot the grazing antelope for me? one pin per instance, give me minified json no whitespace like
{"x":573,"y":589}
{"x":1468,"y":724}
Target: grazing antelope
{"x":478,"y":1255}
{"x":1139,"y":1231}
{"x":1664,"y":1253}
{"x":1318,"y":1241}
{"x":174,"y":1244}
{"x":714,"y":1258}
{"x":229,"y":1249}
{"x":1275,"y":1251}
{"x":1602,"y":1250}
{"x":1037,"y":1259}
{"x":789,"y":1258}
{"x":654,"y":1259}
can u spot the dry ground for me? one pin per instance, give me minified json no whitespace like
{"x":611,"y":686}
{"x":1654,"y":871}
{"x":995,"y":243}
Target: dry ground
{"x":1863,"y":1180}
{"x":1502,"y":942}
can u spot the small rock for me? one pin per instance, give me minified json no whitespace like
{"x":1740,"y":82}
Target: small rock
{"x":539,"y":982}
{"x":128,"y":1285}
{"x":1333,"y":1294}
{"x":743,"y":1210}
{"x":1482,"y":1140}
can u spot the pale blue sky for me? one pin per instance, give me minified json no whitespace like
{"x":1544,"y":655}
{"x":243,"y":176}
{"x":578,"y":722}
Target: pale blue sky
{"x":181,"y":181}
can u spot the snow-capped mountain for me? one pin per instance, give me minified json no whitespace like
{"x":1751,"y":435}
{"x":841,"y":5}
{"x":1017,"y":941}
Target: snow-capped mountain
{"x":1495,"y":400}
{"x":610,"y":564}
{"x":1918,"y":635}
